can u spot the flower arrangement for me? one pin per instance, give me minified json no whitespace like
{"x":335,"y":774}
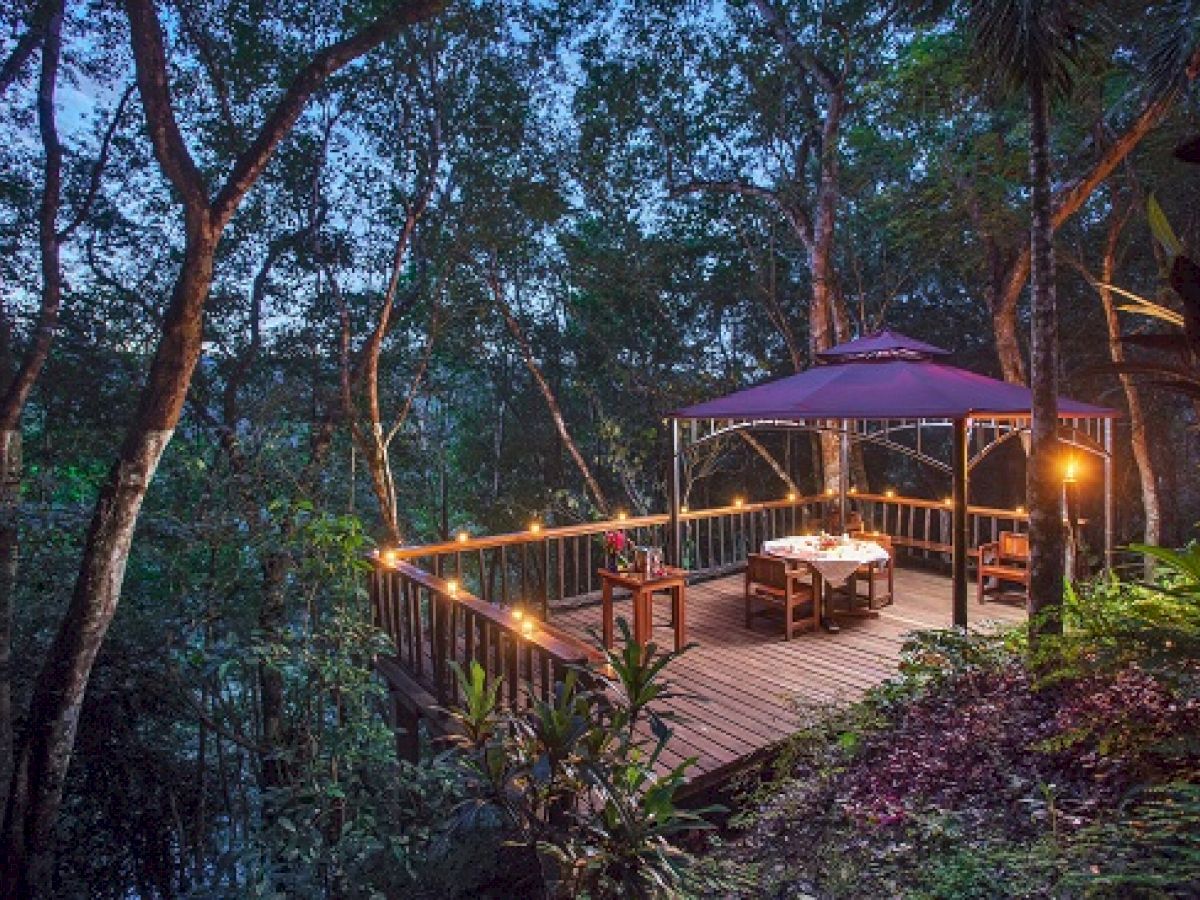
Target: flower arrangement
{"x":616,"y":548}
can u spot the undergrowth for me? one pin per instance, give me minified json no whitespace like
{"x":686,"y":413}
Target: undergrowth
{"x":989,"y":770}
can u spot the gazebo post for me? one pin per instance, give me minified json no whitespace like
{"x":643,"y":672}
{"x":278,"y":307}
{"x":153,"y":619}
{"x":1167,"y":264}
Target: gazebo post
{"x":958,"y":525}
{"x":676,"y":532}
{"x":843,"y":472}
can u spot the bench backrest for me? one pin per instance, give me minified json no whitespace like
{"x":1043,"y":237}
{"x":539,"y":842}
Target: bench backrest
{"x":1014,"y":544}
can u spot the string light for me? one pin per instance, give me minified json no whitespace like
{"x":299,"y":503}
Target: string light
{"x":889,"y":493}
{"x":1020,"y":510}
{"x":683,"y":509}
{"x":463,"y":537}
{"x":738,"y":502}
{"x":388,"y":558}
{"x":622,"y":516}
{"x":518,"y":614}
{"x":535,"y":527}
{"x":853,"y":490}
{"x":527,"y":628}
{"x":452,"y":587}
{"x":791,"y":496}
{"x":949,"y":501}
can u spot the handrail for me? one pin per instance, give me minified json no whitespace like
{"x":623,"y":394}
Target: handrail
{"x":545,"y":566}
{"x":434,"y":623}
{"x":512,"y":538}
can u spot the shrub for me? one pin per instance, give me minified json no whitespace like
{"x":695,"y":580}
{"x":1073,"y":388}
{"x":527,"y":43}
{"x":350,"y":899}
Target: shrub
{"x":575,"y":777}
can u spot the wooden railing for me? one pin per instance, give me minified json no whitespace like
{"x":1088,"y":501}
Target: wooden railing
{"x":922,"y":527}
{"x":433,"y":623}
{"x":543,"y":567}
{"x":489,"y":598}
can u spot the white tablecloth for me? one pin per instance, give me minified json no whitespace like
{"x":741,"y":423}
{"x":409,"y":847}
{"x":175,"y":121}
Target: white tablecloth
{"x":835,"y":564}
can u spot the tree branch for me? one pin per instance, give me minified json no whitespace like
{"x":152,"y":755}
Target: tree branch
{"x":253,"y":160}
{"x":169,"y":147}
{"x":98,"y":167}
{"x":28,"y":42}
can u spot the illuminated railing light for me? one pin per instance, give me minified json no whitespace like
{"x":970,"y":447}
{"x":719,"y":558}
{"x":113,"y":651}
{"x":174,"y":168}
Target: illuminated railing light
{"x":889,"y":493}
{"x":535,"y":527}
{"x":452,"y":587}
{"x":389,"y":558}
{"x":739,"y":502}
{"x":791,"y":496}
{"x":462,"y":537}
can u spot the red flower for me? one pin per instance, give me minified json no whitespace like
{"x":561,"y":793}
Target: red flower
{"x":615,"y":541}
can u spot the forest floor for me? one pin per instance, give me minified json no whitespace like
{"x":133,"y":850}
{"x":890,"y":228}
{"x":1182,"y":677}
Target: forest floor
{"x":972,"y":776}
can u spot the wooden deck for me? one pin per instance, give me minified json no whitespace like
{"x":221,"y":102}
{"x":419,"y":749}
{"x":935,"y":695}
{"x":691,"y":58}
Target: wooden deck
{"x":747,"y":689}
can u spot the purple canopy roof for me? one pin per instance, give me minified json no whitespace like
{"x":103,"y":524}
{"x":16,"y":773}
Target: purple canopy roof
{"x":889,"y":344}
{"x":882,"y":376}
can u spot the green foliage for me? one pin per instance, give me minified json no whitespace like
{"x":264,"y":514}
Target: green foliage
{"x":578,"y":781}
{"x":1112,"y":624}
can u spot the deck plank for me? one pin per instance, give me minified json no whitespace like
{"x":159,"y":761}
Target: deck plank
{"x":743,"y":690}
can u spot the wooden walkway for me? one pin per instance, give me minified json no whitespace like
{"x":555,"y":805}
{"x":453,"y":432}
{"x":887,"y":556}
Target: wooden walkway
{"x":746,"y":690}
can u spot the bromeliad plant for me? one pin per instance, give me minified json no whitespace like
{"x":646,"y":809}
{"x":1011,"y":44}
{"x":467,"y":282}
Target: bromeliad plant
{"x":577,"y":777}
{"x":617,"y":548}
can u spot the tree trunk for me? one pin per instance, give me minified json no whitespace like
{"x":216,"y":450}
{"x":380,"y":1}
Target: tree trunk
{"x":44,"y":754}
{"x":49,"y":19}
{"x":1138,"y":436}
{"x":556,"y":415}
{"x":1044,"y":479}
{"x":270,"y":679}
{"x":10,"y":498}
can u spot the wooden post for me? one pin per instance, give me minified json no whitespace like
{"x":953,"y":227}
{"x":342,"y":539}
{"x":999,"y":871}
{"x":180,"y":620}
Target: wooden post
{"x":843,"y":472}
{"x":675,"y":551}
{"x":959,"y":522}
{"x":406,"y":727}
{"x":1108,"y":495}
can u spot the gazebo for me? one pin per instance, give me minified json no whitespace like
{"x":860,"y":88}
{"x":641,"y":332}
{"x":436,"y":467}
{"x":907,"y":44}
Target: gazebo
{"x":889,"y":389}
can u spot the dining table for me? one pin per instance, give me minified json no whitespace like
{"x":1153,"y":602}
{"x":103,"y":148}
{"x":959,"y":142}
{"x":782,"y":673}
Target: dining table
{"x":832,"y":559}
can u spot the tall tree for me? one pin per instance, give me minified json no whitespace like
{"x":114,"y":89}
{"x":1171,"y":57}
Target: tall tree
{"x":1035,"y":44}
{"x":45,"y":749}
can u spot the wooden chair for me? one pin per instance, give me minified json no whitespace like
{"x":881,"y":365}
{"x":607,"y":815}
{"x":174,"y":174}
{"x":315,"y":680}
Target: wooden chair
{"x":832,"y":522}
{"x":770,"y":578}
{"x":880,"y":577}
{"x":1005,"y":559}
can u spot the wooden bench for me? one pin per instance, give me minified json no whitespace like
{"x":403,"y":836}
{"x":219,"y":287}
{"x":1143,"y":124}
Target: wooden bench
{"x":1007,"y":560}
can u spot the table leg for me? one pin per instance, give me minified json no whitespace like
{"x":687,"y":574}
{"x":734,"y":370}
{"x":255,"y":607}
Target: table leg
{"x":607,"y":600}
{"x":679,"y":613}
{"x":642,"y":612}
